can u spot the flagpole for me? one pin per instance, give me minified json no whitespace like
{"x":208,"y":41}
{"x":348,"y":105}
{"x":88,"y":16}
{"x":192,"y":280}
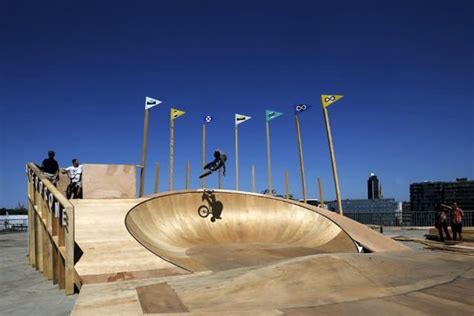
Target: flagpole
{"x":321,"y":195}
{"x":269,"y":162}
{"x":144,"y":150}
{"x":219,"y":179}
{"x":157,"y":176}
{"x":300,"y":152}
{"x":203,"y":180}
{"x":253,"y":178}
{"x":236,"y":157}
{"x":333,"y":160}
{"x":171,"y":154}
{"x":188,"y":171}
{"x":287,"y":186}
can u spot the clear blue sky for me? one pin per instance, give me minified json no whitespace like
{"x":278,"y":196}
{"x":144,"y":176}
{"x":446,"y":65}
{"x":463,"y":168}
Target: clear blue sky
{"x":74,"y":75}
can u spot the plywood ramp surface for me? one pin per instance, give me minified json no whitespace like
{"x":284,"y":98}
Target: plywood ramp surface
{"x":415,"y":282}
{"x":252,"y":229}
{"x":110,"y":253}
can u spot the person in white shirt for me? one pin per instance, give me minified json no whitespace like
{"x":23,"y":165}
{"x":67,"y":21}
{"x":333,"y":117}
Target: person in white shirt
{"x":75,"y":175}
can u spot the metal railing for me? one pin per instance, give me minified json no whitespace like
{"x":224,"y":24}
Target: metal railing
{"x":13,"y":224}
{"x":404,"y":219}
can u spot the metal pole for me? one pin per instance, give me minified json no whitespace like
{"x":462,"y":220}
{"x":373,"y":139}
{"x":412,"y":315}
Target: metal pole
{"x":203,"y":180}
{"x":219,"y":179}
{"x":269,"y":162}
{"x":300,"y":152}
{"x":144,"y":150}
{"x":287,"y":186}
{"x":269,"y":158}
{"x":157,"y":177}
{"x":253,"y":178}
{"x":171,"y":154}
{"x":333,"y":160}
{"x":188,"y":171}
{"x":321,"y":195}
{"x":236,"y":158}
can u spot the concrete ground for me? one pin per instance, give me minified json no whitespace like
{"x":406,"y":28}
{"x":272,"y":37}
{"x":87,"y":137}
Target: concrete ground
{"x":409,"y":232}
{"x":23,"y":290}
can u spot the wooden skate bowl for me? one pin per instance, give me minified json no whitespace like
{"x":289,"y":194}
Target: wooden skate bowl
{"x":254,"y":229}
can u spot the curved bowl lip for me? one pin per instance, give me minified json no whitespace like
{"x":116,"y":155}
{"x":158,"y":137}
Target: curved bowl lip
{"x":259,"y":195}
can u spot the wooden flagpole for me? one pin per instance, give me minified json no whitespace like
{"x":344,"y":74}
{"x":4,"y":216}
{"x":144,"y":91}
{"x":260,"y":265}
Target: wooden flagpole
{"x":188,"y":171}
{"x":219,"y":179}
{"x":157,"y":177}
{"x":333,"y":160}
{"x":269,"y":162}
{"x":300,"y":152}
{"x":253,"y":179}
{"x":144,"y":152}
{"x":321,"y":195}
{"x":203,"y":179}
{"x":236,"y":157}
{"x":171,"y":154}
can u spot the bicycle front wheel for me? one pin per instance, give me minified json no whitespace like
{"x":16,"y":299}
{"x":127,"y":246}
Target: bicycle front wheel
{"x":203,"y":211}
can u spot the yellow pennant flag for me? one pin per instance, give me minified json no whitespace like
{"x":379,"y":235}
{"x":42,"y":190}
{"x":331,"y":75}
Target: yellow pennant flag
{"x":328,"y":99}
{"x":175,"y":113}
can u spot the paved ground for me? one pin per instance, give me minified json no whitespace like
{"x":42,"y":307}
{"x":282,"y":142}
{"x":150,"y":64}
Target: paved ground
{"x":23,"y":290}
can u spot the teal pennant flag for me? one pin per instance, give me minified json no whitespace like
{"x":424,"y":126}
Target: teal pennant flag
{"x":270,"y":115}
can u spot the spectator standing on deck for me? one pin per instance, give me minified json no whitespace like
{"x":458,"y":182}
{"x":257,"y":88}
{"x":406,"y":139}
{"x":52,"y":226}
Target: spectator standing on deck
{"x":441,"y":221}
{"x":50,"y":168}
{"x":457,"y":215}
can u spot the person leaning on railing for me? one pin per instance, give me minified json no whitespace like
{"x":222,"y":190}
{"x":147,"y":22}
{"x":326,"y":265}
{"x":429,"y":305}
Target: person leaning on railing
{"x":50,"y":168}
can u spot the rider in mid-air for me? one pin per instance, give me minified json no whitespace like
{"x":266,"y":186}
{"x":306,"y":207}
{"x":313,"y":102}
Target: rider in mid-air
{"x":219,"y":162}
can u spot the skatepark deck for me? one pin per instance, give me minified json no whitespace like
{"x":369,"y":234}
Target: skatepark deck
{"x":265,"y":255}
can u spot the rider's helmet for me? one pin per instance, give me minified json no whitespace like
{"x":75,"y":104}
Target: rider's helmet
{"x":217,"y":154}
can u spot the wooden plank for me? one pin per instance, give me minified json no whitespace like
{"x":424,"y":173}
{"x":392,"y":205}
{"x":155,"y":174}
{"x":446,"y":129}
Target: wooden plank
{"x":110,"y":253}
{"x":69,"y":243}
{"x":39,"y":242}
{"x":159,"y":298}
{"x":101,"y":181}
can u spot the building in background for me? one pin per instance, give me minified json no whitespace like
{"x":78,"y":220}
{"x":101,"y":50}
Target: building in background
{"x":373,"y":187}
{"x":378,"y":211}
{"x":366,"y":206}
{"x":425,"y":195}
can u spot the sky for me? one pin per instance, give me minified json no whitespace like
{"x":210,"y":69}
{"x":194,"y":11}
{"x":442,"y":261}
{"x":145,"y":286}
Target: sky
{"x":74,"y":76}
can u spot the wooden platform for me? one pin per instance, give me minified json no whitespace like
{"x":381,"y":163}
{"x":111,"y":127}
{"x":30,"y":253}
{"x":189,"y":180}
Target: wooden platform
{"x":265,"y":256}
{"x":389,"y":283}
{"x":110,"y":253}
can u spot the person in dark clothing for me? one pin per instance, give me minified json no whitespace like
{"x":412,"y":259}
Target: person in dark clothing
{"x":219,"y":162}
{"x":441,"y":221}
{"x":50,"y":168}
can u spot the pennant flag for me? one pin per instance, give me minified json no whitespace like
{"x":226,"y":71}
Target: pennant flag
{"x":327,"y":99}
{"x":301,"y":108}
{"x":208,"y":119}
{"x":150,"y":102}
{"x":175,"y":113}
{"x":239,"y":118}
{"x":270,"y":115}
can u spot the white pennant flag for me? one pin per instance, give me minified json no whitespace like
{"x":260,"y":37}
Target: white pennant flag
{"x":150,"y":102}
{"x":239,"y":118}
